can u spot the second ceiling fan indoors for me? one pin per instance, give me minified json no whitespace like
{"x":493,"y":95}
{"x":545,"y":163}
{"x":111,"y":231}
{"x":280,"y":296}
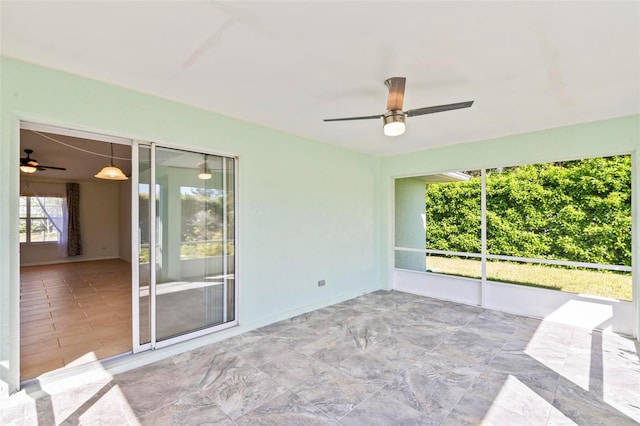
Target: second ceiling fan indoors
{"x":394,"y":118}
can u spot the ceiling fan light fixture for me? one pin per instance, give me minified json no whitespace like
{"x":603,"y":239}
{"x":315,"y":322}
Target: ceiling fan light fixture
{"x":204,"y":175}
{"x":393,"y":123}
{"x":28,"y":169}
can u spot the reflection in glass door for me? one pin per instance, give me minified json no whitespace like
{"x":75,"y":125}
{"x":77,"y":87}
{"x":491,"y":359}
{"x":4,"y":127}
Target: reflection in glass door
{"x":190,"y":290}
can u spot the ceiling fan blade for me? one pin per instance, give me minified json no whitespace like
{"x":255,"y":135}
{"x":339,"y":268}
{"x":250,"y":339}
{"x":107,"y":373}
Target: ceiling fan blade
{"x":396,"y":93}
{"x":438,"y":108}
{"x":366,"y":117}
{"x":42,"y":167}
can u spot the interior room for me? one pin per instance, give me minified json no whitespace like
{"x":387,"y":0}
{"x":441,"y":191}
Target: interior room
{"x":269,"y":259}
{"x":74,"y":307}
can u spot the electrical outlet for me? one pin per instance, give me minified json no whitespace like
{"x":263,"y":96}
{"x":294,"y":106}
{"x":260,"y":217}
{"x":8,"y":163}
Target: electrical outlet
{"x":321,"y":283}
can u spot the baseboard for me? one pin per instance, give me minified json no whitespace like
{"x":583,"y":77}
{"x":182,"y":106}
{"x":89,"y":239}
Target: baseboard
{"x":70,"y":260}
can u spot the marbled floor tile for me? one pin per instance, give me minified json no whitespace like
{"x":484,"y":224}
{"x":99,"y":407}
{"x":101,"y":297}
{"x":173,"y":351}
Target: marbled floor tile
{"x":192,"y":409}
{"x":280,"y":327}
{"x":554,"y":334}
{"x":153,"y":386}
{"x":512,"y":394}
{"x":63,"y":403}
{"x":429,"y":304}
{"x":470,"y":410}
{"x":624,"y":400}
{"x":402,"y":297}
{"x":230,"y":343}
{"x":334,"y":392}
{"x":517,"y":363}
{"x":294,"y":337}
{"x":198,"y":362}
{"x":370,"y":327}
{"x":341,"y":313}
{"x":270,"y":349}
{"x":367,"y":368}
{"x":587,"y":406}
{"x":556,"y":418}
{"x":483,"y":328}
{"x":497,"y":317}
{"x":384,"y":303}
{"x":486,"y":339}
{"x":293,"y":368}
{"x":111,"y":408}
{"x":551,"y":357}
{"x":381,"y":409}
{"x":472,"y":354}
{"x":622,"y":377}
{"x":238,"y":391}
{"x":401,"y":359}
{"x":13,"y":410}
{"x":425,"y":336}
{"x":333,"y":349}
{"x":285,"y":410}
{"x":456,"y":314}
{"x":585,"y":414}
{"x":431,"y":387}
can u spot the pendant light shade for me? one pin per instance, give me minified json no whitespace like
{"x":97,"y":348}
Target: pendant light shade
{"x":205,"y":173}
{"x":111,"y":172}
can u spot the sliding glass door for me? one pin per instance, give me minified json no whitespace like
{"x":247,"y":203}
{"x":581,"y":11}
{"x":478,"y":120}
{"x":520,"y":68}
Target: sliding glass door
{"x":186,"y":245}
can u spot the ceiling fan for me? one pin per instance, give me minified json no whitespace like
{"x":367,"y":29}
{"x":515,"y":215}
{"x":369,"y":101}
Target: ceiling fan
{"x":31,"y":165}
{"x":394,"y":118}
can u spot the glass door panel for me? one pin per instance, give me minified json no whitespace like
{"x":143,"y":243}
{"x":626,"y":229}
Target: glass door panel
{"x":192,"y":265}
{"x":144,"y":244}
{"x":185,"y":283}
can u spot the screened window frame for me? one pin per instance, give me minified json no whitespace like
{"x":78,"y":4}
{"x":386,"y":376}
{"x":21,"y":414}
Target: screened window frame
{"x":28,"y":218}
{"x":484,"y":255}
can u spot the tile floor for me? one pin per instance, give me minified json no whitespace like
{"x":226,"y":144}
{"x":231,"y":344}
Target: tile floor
{"x":386,"y":358}
{"x":72,"y":313}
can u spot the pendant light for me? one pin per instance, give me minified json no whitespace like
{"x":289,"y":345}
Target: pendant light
{"x":111,"y":172}
{"x":205,"y":173}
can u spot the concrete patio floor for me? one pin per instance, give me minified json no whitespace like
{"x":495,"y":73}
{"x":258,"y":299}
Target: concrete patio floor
{"x":385,"y":358}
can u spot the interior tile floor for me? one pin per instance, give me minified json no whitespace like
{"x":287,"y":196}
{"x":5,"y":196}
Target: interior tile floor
{"x":72,"y":313}
{"x":386,"y":358}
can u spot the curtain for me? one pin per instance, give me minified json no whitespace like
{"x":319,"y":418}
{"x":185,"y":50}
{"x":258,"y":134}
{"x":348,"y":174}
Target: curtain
{"x":74,"y":241}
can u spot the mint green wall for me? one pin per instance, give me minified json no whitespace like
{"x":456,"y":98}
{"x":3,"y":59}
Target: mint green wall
{"x":409,"y":223}
{"x":601,"y":138}
{"x":306,"y":209}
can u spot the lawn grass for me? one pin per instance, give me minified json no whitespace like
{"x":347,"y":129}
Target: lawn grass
{"x":596,"y":283}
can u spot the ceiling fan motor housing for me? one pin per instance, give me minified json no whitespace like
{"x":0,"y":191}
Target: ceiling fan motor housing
{"x":393,"y":122}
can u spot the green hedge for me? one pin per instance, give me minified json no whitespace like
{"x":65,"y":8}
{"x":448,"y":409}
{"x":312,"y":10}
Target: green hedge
{"x":575,"y":210}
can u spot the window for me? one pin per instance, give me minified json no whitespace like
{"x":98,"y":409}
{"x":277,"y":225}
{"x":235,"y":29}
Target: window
{"x":201,"y":227}
{"x":563,"y":225}
{"x":40,"y":219}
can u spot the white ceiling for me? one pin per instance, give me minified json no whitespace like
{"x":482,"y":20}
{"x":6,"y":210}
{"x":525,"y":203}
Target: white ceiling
{"x":288,"y":65}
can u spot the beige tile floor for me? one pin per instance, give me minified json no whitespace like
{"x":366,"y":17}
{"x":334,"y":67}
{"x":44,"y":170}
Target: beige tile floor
{"x":73,"y":313}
